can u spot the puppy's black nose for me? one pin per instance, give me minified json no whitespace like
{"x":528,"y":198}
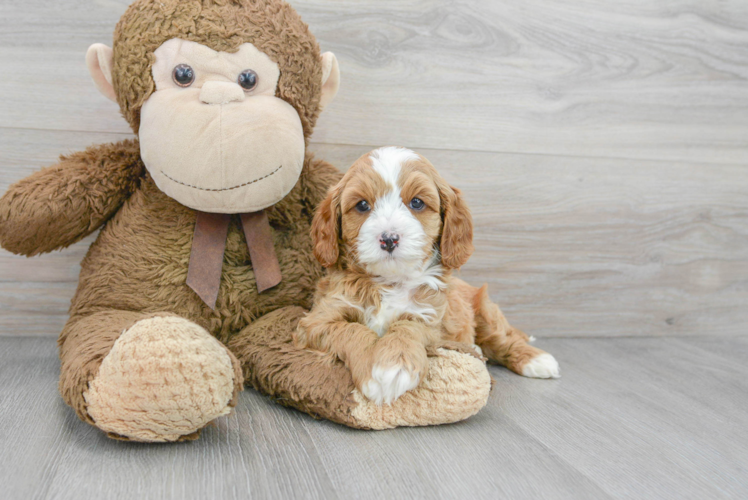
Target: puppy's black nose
{"x":388,"y":241}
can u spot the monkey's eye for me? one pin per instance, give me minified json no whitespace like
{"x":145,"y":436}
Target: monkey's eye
{"x":363,"y":206}
{"x":247,"y":79}
{"x":183,"y":75}
{"x":417,"y":204}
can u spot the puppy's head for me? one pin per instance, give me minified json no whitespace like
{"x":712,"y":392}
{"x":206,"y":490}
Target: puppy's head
{"x":389,"y":214}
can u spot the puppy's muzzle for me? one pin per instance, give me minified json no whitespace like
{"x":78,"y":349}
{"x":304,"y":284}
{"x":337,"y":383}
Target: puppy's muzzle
{"x":389,"y":242}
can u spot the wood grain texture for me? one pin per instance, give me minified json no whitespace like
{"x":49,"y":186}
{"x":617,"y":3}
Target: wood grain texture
{"x":630,"y":418}
{"x":634,"y":79}
{"x":569,"y":246}
{"x":644,"y":418}
{"x":603,"y":149}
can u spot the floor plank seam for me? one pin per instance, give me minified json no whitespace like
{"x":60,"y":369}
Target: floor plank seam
{"x":431,"y":148}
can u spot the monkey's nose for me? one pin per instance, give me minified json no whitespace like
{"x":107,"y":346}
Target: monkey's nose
{"x":221,"y":93}
{"x":389,"y":241}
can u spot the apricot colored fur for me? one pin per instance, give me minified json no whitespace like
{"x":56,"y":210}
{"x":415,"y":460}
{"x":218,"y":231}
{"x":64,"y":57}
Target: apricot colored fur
{"x":337,"y":323}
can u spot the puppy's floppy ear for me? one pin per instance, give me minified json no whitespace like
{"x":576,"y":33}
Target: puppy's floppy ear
{"x":326,"y":228}
{"x":457,"y":229}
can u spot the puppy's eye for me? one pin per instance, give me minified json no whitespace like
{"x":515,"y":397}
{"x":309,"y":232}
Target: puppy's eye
{"x":183,"y":75}
{"x":363,"y":206}
{"x":247,"y":79}
{"x":417,"y":204}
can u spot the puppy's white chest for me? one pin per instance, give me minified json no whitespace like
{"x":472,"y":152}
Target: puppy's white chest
{"x":395,"y":303}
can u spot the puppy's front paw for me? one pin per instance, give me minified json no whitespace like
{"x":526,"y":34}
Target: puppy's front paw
{"x":542,"y":366}
{"x":398,"y":364}
{"x":388,"y":384}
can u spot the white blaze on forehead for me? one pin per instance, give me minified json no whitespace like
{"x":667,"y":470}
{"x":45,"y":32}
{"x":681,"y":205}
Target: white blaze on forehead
{"x":387,"y":162}
{"x":389,"y":215}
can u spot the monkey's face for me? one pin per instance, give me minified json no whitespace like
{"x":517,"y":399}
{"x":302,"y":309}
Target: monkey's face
{"x":213,"y":135}
{"x":223,"y":96}
{"x":214,"y":132}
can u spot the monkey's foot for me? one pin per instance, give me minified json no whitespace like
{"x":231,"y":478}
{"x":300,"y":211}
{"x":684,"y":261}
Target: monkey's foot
{"x":456,"y":386}
{"x":164,"y":380}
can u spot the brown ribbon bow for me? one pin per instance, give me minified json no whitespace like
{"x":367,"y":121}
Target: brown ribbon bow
{"x":209,"y":243}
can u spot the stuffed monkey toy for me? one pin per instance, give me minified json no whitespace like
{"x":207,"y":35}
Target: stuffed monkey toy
{"x":204,"y":265}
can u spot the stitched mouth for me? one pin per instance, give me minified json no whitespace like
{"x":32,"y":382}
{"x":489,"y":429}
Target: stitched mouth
{"x":222,"y":189}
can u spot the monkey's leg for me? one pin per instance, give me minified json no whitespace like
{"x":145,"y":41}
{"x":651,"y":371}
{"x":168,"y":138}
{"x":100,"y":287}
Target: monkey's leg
{"x":146,"y":377}
{"x":456,"y":386}
{"x":507,"y":345}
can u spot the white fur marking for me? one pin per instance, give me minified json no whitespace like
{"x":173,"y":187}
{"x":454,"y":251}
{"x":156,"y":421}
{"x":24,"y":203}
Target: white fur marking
{"x":396,"y":298}
{"x":391,"y":216}
{"x":388,"y":161}
{"x":408,"y":267}
{"x":542,"y":366}
{"x":388,"y":384}
{"x":395,"y":302}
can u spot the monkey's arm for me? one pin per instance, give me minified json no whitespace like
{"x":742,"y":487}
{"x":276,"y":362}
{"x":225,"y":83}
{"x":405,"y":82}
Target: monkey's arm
{"x":61,"y":204}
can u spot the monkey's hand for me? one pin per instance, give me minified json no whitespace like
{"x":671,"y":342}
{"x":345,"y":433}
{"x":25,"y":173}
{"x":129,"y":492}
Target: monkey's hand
{"x":61,"y":204}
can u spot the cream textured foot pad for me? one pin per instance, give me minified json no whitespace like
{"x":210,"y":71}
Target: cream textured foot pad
{"x":164,"y":378}
{"x":456,"y":387}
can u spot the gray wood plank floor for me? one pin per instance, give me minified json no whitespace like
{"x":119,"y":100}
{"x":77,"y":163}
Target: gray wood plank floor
{"x":630,"y":418}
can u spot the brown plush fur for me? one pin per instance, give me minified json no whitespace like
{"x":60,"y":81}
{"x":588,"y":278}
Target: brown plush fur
{"x":139,"y":263}
{"x":273,"y":26}
{"x":337,"y":324}
{"x":137,"y":266}
{"x":63,"y":203}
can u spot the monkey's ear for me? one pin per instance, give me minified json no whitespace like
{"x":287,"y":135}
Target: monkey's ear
{"x":330,"y":79}
{"x":99,"y":62}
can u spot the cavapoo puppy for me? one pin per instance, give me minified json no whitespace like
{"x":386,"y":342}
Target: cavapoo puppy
{"x":390,"y":233}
